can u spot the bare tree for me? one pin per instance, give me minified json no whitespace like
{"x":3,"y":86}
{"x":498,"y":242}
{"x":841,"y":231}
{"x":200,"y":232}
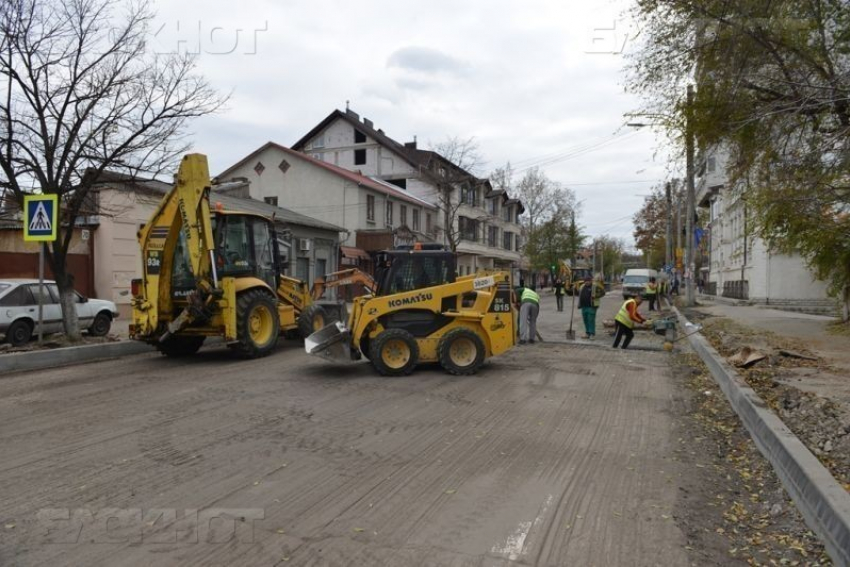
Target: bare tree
{"x":84,"y":93}
{"x":454,"y":173}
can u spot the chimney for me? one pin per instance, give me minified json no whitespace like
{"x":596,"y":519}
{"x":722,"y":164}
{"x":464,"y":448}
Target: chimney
{"x":353,"y":114}
{"x":380,"y":131}
{"x":368,"y":123}
{"x":410,"y":145}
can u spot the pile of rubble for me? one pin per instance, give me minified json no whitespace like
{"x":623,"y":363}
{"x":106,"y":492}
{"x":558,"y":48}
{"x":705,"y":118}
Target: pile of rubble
{"x":771,"y":365}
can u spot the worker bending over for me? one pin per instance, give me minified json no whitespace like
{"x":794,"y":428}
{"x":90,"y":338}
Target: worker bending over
{"x":625,"y":321}
{"x":528,"y":310}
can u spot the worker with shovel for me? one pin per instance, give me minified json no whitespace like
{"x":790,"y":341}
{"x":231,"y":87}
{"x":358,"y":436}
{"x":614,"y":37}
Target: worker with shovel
{"x":589,"y":296}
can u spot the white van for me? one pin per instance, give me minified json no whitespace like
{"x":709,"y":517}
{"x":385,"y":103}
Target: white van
{"x":634,"y":282}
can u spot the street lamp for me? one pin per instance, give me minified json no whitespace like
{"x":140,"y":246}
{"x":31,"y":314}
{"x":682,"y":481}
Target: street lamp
{"x":690,"y":199}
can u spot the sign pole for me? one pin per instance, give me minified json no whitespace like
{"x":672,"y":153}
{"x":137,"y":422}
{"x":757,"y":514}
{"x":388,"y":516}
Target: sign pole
{"x":40,"y":290}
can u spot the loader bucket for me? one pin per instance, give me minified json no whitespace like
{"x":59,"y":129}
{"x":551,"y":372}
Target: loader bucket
{"x":332,"y":343}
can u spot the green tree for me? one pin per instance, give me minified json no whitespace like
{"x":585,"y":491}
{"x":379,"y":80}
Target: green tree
{"x":773,"y":88}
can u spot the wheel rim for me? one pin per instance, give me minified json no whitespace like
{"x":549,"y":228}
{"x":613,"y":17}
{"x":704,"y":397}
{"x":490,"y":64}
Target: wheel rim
{"x":260,"y":325}
{"x":20,"y":335}
{"x":100,"y":326}
{"x":463,"y":351}
{"x":318,"y":322}
{"x":395,"y":353}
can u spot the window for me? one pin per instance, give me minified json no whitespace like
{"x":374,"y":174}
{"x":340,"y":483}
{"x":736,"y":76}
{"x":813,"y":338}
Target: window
{"x":284,"y":166}
{"x":712,"y":164}
{"x":45,"y":295}
{"x":400,"y":183}
{"x":389,"y":213}
{"x":54,"y":292}
{"x":507,"y":243}
{"x":302,"y":269}
{"x":18,"y":298}
{"x":359,"y":157}
{"x":403,"y":219}
{"x":321,"y":267}
{"x":259,"y":168}
{"x":270,"y":201}
{"x":370,"y":208}
{"x":359,"y":137}
{"x":492,"y":236}
{"x":507,"y":211}
{"x":263,"y":257}
{"x":493,"y":206}
{"x":517,"y":244}
{"x":318,"y":157}
{"x":468,"y":195}
{"x":428,"y":223}
{"x":318,"y":142}
{"x":415,"y":219}
{"x":468,"y":229}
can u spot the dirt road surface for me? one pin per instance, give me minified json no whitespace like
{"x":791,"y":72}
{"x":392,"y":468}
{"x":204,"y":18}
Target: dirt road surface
{"x":553,"y":454}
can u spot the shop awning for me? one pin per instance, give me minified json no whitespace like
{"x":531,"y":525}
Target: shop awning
{"x":354,"y":253}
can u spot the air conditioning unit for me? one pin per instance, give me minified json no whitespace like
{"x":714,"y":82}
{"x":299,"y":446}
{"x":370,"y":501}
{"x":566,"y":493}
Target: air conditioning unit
{"x":304,"y":244}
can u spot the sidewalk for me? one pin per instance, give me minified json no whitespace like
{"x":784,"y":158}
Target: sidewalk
{"x":811,"y":331}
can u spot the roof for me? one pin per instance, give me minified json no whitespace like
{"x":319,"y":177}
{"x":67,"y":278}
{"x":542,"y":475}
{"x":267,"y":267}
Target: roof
{"x":420,"y":159}
{"x":229,"y":202}
{"x":352,"y":176}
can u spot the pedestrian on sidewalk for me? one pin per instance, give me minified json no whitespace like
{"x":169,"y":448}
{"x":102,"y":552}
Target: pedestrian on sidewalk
{"x":589,"y":296}
{"x":559,"y":293}
{"x":651,"y":292}
{"x":528,"y":311}
{"x":675,"y":289}
{"x":625,"y":321}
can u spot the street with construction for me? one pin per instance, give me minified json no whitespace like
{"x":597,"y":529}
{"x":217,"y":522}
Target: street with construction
{"x":471,"y":284}
{"x":555,"y":453}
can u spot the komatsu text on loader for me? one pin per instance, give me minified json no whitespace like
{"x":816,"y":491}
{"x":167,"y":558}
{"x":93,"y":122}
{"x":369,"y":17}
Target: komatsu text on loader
{"x":421,"y":312}
{"x":218,"y":273}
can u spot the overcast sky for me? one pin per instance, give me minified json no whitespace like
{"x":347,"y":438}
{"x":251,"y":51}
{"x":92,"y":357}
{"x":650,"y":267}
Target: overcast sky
{"x":534,"y":82}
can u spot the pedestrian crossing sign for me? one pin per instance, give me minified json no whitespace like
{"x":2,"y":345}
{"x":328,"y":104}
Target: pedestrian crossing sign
{"x":40,"y":212}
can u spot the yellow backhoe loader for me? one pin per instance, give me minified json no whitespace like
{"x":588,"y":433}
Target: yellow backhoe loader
{"x":217,"y":273}
{"x":422,"y":313}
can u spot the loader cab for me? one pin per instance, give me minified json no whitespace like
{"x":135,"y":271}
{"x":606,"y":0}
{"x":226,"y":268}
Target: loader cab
{"x":245,"y":246}
{"x":398,"y":271}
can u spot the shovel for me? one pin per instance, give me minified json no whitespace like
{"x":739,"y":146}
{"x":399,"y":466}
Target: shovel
{"x":668,"y":345}
{"x":571,"y":335}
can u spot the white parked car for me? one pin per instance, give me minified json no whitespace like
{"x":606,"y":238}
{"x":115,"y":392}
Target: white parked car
{"x":19,"y":311}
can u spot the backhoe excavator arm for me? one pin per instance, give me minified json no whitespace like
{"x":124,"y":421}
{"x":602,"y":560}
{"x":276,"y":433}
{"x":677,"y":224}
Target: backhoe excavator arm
{"x":181,"y":219}
{"x":342,"y":278}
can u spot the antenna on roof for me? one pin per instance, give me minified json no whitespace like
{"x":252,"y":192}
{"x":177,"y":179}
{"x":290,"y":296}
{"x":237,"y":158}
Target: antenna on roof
{"x":414,"y":137}
{"x":346,"y":105}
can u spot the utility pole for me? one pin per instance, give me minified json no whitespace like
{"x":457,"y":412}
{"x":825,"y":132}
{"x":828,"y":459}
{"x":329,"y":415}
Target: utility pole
{"x":690,"y":298}
{"x":668,"y":242}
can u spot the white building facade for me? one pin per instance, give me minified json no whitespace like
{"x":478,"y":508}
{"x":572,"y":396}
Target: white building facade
{"x":742,"y":266}
{"x":311,"y":186}
{"x":485,"y":223}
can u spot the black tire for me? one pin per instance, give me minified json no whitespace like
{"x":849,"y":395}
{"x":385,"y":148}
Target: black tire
{"x":396,"y":363}
{"x":461,"y":352}
{"x":101,"y":325}
{"x":175,"y":347}
{"x":19,"y":333}
{"x":310,"y":318}
{"x":249,"y":304}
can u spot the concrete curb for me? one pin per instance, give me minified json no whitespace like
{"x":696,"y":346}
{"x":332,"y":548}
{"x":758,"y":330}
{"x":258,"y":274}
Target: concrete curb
{"x":824,"y":504}
{"x":37,"y":360}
